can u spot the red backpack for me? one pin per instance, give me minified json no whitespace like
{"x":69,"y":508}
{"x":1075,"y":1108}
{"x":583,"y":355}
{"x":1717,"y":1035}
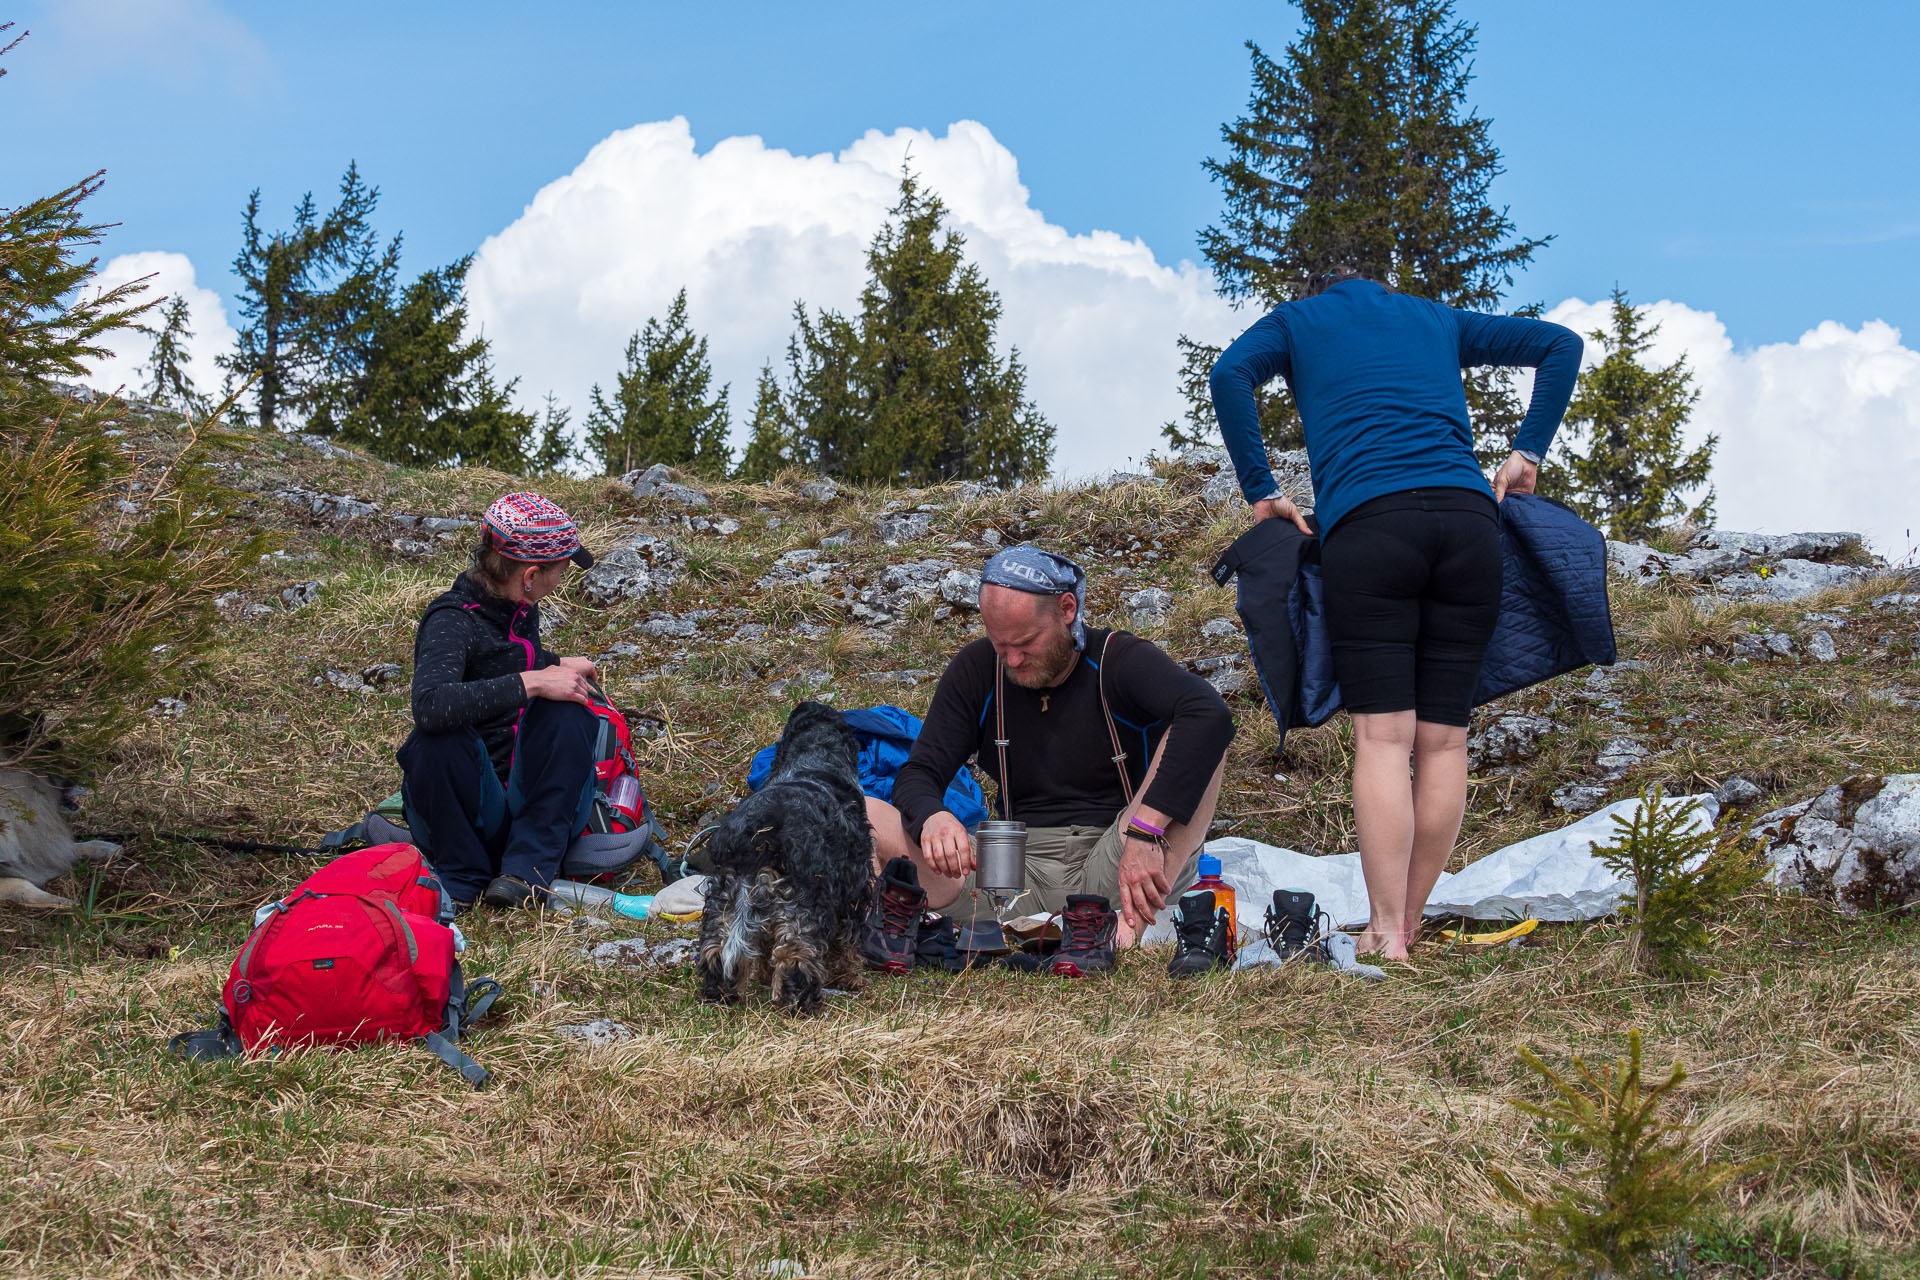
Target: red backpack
{"x":618,"y":805}
{"x":361,"y":952}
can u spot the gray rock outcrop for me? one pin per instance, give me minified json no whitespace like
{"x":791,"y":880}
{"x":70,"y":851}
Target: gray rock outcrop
{"x":1784,"y":566}
{"x":1858,"y":842}
{"x":643,"y":564}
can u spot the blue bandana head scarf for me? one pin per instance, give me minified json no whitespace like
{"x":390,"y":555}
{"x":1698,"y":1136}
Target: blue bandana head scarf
{"x":1041,"y":573}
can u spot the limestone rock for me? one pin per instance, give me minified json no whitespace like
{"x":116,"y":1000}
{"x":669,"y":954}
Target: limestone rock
{"x":1820,"y":647}
{"x":327,"y":506}
{"x":597,"y":1034}
{"x":642,"y":565}
{"x":1220,"y":628}
{"x":1506,"y":740}
{"x":960,"y":588}
{"x":382,"y":673}
{"x":300,"y":595}
{"x":658,"y":481}
{"x":1149,"y":606}
{"x":1737,"y":791}
{"x":1225,"y":673}
{"x":1858,"y":841}
{"x":822,"y":490}
{"x":903,"y":526}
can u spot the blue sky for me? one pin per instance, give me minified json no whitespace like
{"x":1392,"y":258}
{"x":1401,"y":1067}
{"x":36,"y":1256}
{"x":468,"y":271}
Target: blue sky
{"x":1755,"y":159}
{"x":1748,"y":167}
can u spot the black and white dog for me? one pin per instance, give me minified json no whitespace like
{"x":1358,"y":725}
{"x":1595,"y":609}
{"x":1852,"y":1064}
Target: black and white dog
{"x":791,"y":868}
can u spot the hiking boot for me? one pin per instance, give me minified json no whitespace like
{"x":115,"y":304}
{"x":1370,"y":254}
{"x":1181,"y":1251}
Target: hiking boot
{"x":890,"y":937}
{"x":510,"y":891}
{"x":1293,"y":926}
{"x":936,"y":947}
{"x":1201,"y":939}
{"x":1087,"y":928}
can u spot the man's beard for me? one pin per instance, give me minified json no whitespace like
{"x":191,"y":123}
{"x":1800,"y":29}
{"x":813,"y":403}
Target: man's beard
{"x":1045,"y":671}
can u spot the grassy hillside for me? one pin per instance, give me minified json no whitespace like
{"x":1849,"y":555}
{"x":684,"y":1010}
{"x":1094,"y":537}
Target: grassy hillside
{"x":996,"y":1125}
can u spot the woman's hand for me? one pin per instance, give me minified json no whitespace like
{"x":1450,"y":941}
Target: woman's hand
{"x":1280,"y":507}
{"x":1516,"y":475}
{"x":583,"y":665}
{"x":944,"y":840}
{"x":562,"y":683}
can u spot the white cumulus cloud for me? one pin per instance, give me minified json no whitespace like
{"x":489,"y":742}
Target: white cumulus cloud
{"x":1820,"y":433}
{"x":171,"y":274}
{"x":747,"y":229}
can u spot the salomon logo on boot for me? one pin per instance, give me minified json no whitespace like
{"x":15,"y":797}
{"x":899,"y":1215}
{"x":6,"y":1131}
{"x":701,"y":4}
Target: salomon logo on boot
{"x":1294,"y":927}
{"x":890,"y":937}
{"x":1087,"y":929}
{"x":1201,"y":941}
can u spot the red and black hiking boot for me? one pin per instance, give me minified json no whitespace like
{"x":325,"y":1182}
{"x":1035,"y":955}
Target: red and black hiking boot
{"x":889,"y":940}
{"x":1201,"y":941}
{"x":1087,"y":928}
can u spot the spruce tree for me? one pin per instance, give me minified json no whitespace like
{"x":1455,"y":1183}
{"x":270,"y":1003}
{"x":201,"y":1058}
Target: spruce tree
{"x":912,"y":390}
{"x":553,"y":445}
{"x":1360,"y":151}
{"x":486,"y":430}
{"x":409,"y":380}
{"x":660,"y":410}
{"x":311,"y":298}
{"x":1624,"y":464}
{"x":168,"y":381}
{"x":770,"y":440}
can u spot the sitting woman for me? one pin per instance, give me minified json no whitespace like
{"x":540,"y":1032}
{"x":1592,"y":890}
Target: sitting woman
{"x":499,"y":767}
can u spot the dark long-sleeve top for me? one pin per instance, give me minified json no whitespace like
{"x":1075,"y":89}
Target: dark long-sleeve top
{"x":1059,"y":753}
{"x":468,"y":654}
{"x":1376,"y":377}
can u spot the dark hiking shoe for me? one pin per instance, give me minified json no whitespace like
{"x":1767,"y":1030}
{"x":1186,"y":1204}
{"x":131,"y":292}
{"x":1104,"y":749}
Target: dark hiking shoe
{"x":1087,"y":928}
{"x":937,"y":947}
{"x":891,"y":933}
{"x":1293,"y":927}
{"x":510,"y":891}
{"x":1201,"y":941}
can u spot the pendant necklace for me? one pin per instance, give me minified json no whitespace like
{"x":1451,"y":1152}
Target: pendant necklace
{"x":1043,"y":702}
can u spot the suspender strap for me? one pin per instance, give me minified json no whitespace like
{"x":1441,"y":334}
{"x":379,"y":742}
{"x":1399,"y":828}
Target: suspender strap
{"x":1000,"y":733}
{"x":1113,"y":734}
{"x":1106,"y":713}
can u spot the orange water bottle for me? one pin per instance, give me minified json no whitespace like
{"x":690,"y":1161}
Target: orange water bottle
{"x":1222,"y":897}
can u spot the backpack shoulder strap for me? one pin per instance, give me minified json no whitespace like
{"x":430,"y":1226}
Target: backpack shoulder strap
{"x":448,"y":1052}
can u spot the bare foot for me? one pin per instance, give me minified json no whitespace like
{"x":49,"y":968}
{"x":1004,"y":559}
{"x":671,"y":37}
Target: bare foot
{"x":1373,"y":942}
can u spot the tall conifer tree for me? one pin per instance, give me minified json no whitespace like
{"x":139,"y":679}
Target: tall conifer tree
{"x":912,"y":390}
{"x":168,"y":381}
{"x":1359,"y":150}
{"x":660,"y":409}
{"x":1625,"y":465}
{"x":770,"y":437}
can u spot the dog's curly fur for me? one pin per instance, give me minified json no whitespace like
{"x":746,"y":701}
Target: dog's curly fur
{"x":791,"y":872}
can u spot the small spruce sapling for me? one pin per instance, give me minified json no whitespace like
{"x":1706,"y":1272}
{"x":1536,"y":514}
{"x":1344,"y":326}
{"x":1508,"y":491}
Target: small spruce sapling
{"x":1632,"y":1178}
{"x":1681,"y":878}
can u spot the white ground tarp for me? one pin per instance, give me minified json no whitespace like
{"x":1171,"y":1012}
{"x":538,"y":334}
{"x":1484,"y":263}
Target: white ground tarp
{"x":1552,"y":876}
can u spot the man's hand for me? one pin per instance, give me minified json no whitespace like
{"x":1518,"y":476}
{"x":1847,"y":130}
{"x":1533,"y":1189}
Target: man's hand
{"x":583,"y":665}
{"x":1516,"y":475}
{"x":562,"y":683}
{"x":1280,"y":507}
{"x":945,"y":842}
{"x":1144,"y":883}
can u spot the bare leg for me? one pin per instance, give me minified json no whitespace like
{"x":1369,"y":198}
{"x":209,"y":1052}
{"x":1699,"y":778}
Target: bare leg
{"x":1439,"y":801}
{"x":890,"y":841}
{"x":1384,"y":814}
{"x":1182,"y":837}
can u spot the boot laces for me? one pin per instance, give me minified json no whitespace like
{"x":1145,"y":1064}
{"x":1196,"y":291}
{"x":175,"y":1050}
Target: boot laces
{"x":1081,"y":926}
{"x":898,"y":908}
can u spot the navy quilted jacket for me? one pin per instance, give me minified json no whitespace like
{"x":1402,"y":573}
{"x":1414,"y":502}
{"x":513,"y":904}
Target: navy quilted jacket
{"x":1554,"y":616}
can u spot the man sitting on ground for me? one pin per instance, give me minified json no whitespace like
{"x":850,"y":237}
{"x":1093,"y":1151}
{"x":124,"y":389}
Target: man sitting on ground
{"x":1028,"y":701}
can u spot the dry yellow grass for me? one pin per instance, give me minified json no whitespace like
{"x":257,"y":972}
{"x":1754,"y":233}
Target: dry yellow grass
{"x":983,"y":1125}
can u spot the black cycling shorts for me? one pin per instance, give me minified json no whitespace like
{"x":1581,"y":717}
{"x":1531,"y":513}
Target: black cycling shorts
{"x":1413,"y":592}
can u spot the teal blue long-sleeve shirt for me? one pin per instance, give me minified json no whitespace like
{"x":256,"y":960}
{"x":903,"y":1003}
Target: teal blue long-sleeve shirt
{"x":1376,"y":377}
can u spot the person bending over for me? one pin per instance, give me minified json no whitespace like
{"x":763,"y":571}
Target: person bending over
{"x":1128,"y":830}
{"x":499,"y":766}
{"x":1410,"y":546}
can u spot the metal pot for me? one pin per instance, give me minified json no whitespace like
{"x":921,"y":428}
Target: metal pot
{"x":1000,"y":849}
